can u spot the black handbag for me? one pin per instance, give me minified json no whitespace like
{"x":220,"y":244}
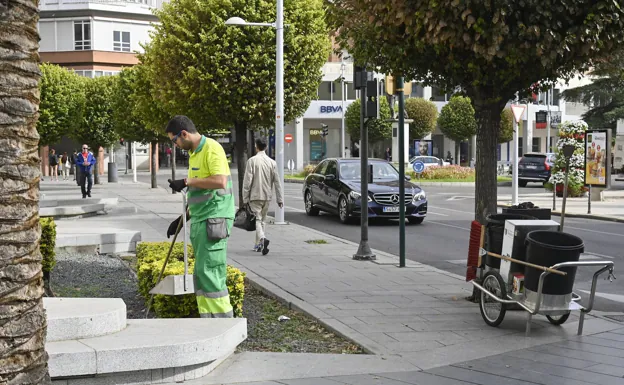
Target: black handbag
{"x":245,"y":219}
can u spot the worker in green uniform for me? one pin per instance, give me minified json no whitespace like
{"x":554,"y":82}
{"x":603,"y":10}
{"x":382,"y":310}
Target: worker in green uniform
{"x":211,"y":210}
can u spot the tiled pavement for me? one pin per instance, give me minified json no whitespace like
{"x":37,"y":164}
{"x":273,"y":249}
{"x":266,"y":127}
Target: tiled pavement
{"x":598,"y":359}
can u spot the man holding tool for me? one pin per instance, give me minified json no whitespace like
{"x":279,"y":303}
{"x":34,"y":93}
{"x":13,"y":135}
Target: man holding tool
{"x":211,"y":211}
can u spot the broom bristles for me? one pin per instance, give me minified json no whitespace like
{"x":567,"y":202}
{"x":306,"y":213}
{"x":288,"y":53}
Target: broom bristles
{"x":473,"y":251}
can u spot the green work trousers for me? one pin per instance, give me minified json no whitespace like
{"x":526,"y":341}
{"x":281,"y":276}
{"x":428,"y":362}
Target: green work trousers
{"x":213,"y":299}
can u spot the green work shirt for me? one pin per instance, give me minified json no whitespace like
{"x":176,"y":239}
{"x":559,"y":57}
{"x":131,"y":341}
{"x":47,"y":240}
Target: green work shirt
{"x":207,"y":160}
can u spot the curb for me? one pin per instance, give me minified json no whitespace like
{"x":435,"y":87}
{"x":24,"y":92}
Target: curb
{"x":605,"y":218}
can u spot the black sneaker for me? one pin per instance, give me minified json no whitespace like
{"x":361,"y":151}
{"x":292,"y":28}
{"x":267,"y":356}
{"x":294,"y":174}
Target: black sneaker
{"x":265,"y":247}
{"x":83,"y":196}
{"x":89,"y":195}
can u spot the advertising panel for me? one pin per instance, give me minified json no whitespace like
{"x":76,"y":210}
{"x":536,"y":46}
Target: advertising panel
{"x":597,"y":158}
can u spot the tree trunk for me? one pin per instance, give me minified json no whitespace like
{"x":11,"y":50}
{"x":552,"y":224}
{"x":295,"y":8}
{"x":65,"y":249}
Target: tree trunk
{"x":23,"y":359}
{"x":488,"y":130}
{"x":241,"y":156}
{"x":154,"y":147}
{"x":96,"y":171}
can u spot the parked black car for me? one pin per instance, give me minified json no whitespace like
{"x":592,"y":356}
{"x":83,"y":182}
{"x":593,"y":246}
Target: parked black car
{"x":334,"y":187}
{"x":535,"y":168}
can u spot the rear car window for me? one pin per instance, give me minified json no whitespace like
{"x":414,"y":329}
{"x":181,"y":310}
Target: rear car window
{"x":533,"y":158}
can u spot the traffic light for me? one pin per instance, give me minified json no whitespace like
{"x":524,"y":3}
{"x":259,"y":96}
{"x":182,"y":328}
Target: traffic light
{"x":325,"y":130}
{"x":121,"y":141}
{"x":371,"y":98}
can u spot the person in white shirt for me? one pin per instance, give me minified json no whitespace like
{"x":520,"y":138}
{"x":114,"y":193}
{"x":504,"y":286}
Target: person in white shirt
{"x":260,"y":178}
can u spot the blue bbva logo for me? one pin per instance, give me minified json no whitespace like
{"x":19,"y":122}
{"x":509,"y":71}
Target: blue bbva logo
{"x":330,"y":109}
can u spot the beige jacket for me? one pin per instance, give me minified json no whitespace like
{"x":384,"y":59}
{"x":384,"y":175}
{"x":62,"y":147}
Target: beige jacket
{"x":260,"y":177}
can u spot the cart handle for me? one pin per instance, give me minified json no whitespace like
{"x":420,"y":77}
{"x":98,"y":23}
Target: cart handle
{"x":606,"y":265}
{"x":538,"y":267}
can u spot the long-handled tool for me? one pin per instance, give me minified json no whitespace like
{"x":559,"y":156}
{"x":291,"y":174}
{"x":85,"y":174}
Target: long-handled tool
{"x":174,"y":284}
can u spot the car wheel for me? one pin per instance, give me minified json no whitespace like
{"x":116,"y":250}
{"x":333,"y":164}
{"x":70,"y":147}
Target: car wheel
{"x":309,"y":206}
{"x":522,"y":183}
{"x":343,"y":210}
{"x":415,"y":220}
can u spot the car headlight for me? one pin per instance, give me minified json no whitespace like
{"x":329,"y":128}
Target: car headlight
{"x":421,"y":196}
{"x":356,"y":195}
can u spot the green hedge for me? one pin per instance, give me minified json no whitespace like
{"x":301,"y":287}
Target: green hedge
{"x":150,"y":259}
{"x":47,"y":244}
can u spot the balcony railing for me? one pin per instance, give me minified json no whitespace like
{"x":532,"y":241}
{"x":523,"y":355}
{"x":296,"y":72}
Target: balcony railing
{"x":145,"y":3}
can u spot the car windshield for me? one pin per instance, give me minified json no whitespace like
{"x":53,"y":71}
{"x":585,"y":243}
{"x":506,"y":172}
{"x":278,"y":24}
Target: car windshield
{"x":381,"y":171}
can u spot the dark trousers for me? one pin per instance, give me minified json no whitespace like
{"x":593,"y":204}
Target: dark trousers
{"x":86,"y":179}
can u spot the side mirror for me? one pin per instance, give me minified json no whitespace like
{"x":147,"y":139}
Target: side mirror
{"x":408,"y":177}
{"x":330,"y":177}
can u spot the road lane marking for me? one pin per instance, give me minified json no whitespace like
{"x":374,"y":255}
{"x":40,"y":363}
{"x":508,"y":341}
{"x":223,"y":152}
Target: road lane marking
{"x":594,"y":231}
{"x":453,"y":226}
{"x":431,"y":213}
{"x":458,"y":211}
{"x":595,"y":255}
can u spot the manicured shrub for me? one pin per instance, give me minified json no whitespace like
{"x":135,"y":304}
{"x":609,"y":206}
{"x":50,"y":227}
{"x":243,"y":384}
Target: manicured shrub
{"x":47,"y":243}
{"x":150,"y":259}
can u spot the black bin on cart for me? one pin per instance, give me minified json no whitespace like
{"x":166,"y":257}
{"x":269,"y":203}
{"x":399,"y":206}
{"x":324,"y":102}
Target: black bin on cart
{"x":537,"y":213}
{"x":548,"y":248}
{"x":494,"y":230}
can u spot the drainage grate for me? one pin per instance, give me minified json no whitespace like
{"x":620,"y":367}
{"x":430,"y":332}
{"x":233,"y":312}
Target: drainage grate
{"x":618,"y":318}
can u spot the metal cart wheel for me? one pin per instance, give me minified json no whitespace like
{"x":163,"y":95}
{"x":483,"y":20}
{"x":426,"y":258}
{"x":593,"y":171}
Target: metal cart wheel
{"x":492,"y":311}
{"x":559,"y":319}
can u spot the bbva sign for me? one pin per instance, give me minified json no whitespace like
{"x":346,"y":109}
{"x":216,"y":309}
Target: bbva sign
{"x":330,"y":109}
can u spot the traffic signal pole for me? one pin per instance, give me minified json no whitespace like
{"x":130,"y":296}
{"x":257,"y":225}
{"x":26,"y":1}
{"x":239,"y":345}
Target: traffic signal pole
{"x":401,"y":96}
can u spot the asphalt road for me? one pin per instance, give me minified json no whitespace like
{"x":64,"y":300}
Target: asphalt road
{"x":442,"y":239}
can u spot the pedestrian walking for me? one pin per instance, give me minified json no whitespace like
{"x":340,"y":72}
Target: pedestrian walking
{"x":53,"y":161}
{"x":72,"y":161}
{"x":388,"y":155}
{"x":64,"y":166}
{"x":211,"y":212}
{"x":85,"y":164}
{"x":260,"y":178}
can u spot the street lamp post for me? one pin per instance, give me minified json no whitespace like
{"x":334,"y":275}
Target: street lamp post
{"x":342,"y":109}
{"x":279,"y":91}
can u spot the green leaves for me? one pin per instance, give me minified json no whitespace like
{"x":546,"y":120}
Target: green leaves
{"x":219,"y":75}
{"x":457,"y":119}
{"x":96,"y":129}
{"x":62,"y":103}
{"x":506,"y":126}
{"x":378,"y":129}
{"x":424,"y":113}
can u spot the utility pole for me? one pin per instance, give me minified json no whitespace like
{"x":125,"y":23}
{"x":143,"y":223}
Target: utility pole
{"x":342,"y":109}
{"x":401,"y":96}
{"x":360,"y":82}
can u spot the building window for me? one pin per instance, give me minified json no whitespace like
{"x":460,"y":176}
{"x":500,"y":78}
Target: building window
{"x":121,"y":41}
{"x":537,"y":143}
{"x":351,"y":95}
{"x":417,"y":90}
{"x":82,"y":35}
{"x":437,"y":95}
{"x":326,"y":90}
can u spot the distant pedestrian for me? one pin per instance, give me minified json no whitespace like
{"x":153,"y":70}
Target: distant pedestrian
{"x":168,"y":152}
{"x":85,"y":164}
{"x":388,"y":155}
{"x":64,"y":166}
{"x":260,"y":178}
{"x":72,"y":160}
{"x":53,"y":161}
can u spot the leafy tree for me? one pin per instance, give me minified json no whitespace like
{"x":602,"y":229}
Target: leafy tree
{"x":424,"y":113}
{"x":223,"y":76}
{"x":97,"y":129}
{"x":457,"y":121}
{"x":378,"y":129}
{"x":137,"y":117}
{"x":23,"y":358}
{"x":490,"y":50}
{"x":61,"y":103}
{"x":506,"y":126}
{"x":605,"y":94}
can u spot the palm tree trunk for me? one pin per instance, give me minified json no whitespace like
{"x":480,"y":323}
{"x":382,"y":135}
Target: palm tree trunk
{"x":23,"y":359}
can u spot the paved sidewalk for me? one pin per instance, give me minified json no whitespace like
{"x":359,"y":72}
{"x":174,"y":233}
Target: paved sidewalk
{"x":415,"y":318}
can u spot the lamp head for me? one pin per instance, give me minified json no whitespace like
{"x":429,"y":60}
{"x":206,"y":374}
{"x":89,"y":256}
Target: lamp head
{"x":235,"y":21}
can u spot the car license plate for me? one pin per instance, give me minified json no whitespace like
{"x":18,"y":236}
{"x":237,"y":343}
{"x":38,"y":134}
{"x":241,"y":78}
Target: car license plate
{"x":391,"y":209}
{"x":531,"y":167}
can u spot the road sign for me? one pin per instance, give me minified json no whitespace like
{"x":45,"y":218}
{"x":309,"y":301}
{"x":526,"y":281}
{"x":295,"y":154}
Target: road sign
{"x":288,"y":138}
{"x":517,"y":112}
{"x":418,"y":166}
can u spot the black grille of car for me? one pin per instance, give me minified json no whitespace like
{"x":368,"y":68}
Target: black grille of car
{"x":391,"y":199}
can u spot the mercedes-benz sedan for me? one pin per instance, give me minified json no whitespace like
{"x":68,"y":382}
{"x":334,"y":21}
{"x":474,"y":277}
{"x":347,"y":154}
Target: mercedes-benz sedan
{"x":334,"y":187}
